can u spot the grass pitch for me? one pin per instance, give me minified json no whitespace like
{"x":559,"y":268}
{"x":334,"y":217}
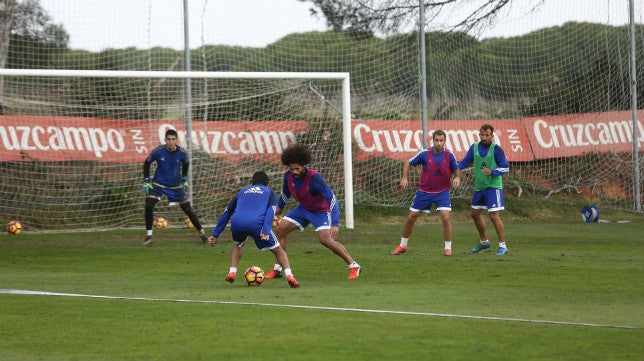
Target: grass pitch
{"x":565,"y":291}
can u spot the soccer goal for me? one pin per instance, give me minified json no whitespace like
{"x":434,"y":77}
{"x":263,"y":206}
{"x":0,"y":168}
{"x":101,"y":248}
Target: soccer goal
{"x":73,"y":141}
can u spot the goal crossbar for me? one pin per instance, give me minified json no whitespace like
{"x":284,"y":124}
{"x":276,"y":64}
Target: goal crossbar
{"x":346,"y":101}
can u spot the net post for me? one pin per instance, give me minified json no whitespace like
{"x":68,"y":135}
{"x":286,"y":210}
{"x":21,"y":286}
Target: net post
{"x":348,"y":159}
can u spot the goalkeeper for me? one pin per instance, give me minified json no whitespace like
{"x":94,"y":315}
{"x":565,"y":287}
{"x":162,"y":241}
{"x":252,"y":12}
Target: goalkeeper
{"x":170,"y":179}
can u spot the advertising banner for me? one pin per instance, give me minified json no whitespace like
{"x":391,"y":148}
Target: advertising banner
{"x":55,"y":138}
{"x":576,"y":134}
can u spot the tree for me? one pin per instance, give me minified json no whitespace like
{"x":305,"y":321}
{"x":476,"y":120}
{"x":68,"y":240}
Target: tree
{"x":34,"y":37}
{"x":392,"y":16}
{"x":28,"y":38}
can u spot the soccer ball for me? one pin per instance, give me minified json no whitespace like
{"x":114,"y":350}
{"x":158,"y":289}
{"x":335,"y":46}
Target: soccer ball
{"x":254,"y":276}
{"x":590,"y":214}
{"x":189,"y":223}
{"x":14,"y":227}
{"x":160,"y":223}
{"x":276,"y":221}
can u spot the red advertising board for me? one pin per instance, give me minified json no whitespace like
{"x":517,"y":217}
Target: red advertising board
{"x":73,"y":138}
{"x":54,"y":138}
{"x":576,"y":134}
{"x":401,"y":140}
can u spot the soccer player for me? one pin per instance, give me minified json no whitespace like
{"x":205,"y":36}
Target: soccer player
{"x":170,"y":179}
{"x":317,"y":206}
{"x":251,"y":213}
{"x":490,"y":164}
{"x":438,"y":165}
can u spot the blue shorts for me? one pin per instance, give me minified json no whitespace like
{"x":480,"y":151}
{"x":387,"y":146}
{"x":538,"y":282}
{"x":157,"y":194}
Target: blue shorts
{"x":302,"y":217}
{"x":490,"y":199}
{"x":423,"y":201}
{"x":240,"y":237}
{"x":175,"y":194}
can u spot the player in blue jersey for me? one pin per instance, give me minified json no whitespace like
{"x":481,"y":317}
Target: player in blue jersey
{"x":170,"y":180}
{"x":438,"y":165}
{"x":251,"y":213}
{"x":317,"y":206}
{"x":490,"y":164}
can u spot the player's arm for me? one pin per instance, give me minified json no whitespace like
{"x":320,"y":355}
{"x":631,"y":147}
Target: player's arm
{"x":404,"y":180}
{"x":456,"y":171}
{"x":225,"y":217}
{"x":285,"y":195}
{"x":502,"y":166}
{"x":269,"y":214}
{"x":147,"y":185}
{"x":146,"y":170}
{"x":413,"y":162}
{"x":468,"y":160}
{"x":184,"y":169}
{"x":320,"y":186}
{"x":185,"y":166}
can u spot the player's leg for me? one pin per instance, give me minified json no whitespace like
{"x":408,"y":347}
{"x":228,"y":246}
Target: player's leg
{"x":239,"y":239}
{"x":479,"y":222}
{"x":444,"y":208}
{"x":447,"y":230}
{"x":285,"y":227}
{"x":235,"y":256}
{"x":495,"y":218}
{"x":495,"y":204}
{"x":324,"y":237}
{"x":478,"y":205}
{"x":281,"y":232}
{"x":408,"y":228}
{"x":150,"y":202}
{"x":421,"y":202}
{"x":282,"y":259}
{"x":186,"y":207}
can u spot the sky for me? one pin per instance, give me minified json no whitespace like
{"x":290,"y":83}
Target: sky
{"x":96,"y":25}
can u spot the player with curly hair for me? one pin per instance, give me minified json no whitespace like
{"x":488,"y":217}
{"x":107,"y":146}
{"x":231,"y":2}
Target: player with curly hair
{"x":317,"y":206}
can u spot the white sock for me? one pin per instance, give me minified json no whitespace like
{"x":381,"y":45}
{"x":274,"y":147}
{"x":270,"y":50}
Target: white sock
{"x":448,"y":244}
{"x":233,"y":270}
{"x":288,"y":272}
{"x":403,"y":241}
{"x":277,"y":267}
{"x":354,"y":264}
{"x":149,"y":232}
{"x":502,"y":244}
{"x":485,"y":242}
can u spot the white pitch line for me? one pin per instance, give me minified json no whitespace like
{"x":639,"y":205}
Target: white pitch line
{"x":411,"y":313}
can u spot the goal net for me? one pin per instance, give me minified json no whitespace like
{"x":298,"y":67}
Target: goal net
{"x":73,"y":158}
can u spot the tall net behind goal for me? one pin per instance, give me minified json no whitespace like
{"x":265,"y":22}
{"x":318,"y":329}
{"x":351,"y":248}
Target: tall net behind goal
{"x":553,"y":77}
{"x":73,"y":159}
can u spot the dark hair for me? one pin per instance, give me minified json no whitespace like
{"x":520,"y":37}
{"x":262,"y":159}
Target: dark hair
{"x":487,"y":127}
{"x":260,"y":177}
{"x":296,"y":153}
{"x":439,"y":132}
{"x":170,"y":132}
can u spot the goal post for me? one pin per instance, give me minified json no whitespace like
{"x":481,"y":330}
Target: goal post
{"x":99,"y":141}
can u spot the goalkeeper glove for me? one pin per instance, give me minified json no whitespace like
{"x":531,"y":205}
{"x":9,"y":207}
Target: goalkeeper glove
{"x":147,"y":186}
{"x":184,"y":181}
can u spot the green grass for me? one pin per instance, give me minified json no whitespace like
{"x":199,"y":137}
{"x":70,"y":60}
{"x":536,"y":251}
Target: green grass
{"x":565,"y":291}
